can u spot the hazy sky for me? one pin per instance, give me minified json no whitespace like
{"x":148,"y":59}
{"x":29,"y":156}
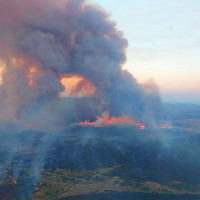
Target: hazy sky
{"x":164,"y":43}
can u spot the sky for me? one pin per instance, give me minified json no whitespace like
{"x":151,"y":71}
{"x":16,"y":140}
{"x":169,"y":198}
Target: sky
{"x":164,"y":43}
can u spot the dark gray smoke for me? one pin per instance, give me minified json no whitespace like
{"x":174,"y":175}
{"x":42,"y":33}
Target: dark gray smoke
{"x":67,"y":37}
{"x":41,"y":42}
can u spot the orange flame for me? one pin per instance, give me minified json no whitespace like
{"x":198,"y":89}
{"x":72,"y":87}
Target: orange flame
{"x":17,"y":62}
{"x":76,"y":86}
{"x":14,"y":181}
{"x":106,"y":120}
{"x":87,"y":123}
{"x":33,"y":70}
{"x":2,"y":69}
{"x":163,"y":127}
{"x":142,"y":127}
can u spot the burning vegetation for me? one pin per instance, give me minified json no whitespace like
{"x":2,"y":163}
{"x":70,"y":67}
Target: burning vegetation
{"x":105,"y":119}
{"x":61,"y":63}
{"x":80,"y":57}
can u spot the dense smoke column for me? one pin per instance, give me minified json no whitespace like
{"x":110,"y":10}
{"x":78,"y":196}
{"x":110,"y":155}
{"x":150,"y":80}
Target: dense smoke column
{"x":43,"y":40}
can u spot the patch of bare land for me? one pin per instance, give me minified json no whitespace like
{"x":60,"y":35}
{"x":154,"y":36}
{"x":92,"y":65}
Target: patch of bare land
{"x":63,"y":183}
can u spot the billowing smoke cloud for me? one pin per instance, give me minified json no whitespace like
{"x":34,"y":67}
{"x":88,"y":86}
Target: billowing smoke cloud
{"x":44,"y":41}
{"x":66,"y":48}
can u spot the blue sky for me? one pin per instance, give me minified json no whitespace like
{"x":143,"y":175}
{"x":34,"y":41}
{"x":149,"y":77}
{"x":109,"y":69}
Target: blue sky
{"x":164,"y":43}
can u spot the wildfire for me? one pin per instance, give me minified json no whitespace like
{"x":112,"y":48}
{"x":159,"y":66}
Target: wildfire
{"x":14,"y":181}
{"x":163,"y":127}
{"x":37,"y":188}
{"x":76,"y":86}
{"x":142,"y":127}
{"x":87,"y":123}
{"x":105,"y":119}
{"x":2,"y":69}
{"x":33,"y":71}
{"x":17,"y":62}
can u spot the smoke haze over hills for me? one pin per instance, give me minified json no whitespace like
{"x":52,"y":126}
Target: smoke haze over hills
{"x":68,"y":48}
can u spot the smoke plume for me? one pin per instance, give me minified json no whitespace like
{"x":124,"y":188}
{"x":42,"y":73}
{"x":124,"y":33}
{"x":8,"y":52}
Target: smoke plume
{"x":61,"y":64}
{"x":54,"y":49}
